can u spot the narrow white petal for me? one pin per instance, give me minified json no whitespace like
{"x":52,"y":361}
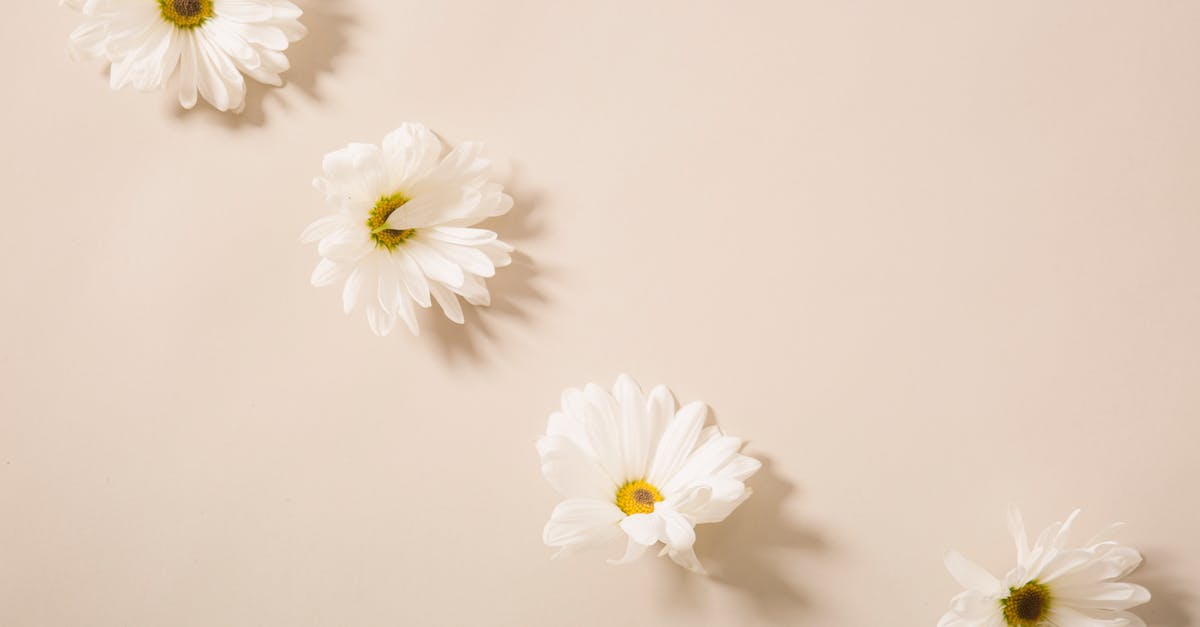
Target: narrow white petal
{"x":448,"y":302}
{"x":1016,"y":527}
{"x":633,"y":551}
{"x":677,"y":442}
{"x":645,"y":529}
{"x":411,"y":152}
{"x":970,"y":575}
{"x":434,"y":265}
{"x":414,"y":278}
{"x":582,"y":522}
{"x":571,"y":471}
{"x":634,"y":426}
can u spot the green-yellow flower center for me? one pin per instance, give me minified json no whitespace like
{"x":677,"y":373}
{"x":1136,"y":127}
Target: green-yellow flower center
{"x":377,"y":222}
{"x":1026,"y":606}
{"x":637,"y":497}
{"x":186,"y":13}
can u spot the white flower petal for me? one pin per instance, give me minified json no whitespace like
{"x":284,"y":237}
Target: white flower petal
{"x":189,"y":71}
{"x":581,"y":523}
{"x":411,"y":151}
{"x":389,"y":289}
{"x":359,"y":281}
{"x":327,"y":272}
{"x":633,"y":425}
{"x":322,"y":227}
{"x":438,"y":206}
{"x":414,"y":278}
{"x":645,"y":529}
{"x":462,"y":167}
{"x":380,"y":321}
{"x":686,"y":558}
{"x":1061,"y":564}
{"x":1016,"y":527}
{"x":469,"y":259}
{"x":1105,"y":595}
{"x":970,"y":575}
{"x":571,"y":471}
{"x":345,"y":245}
{"x":434,"y":264}
{"x":408,"y":314}
{"x":243,"y":10}
{"x":448,"y":301}
{"x":677,"y":442}
{"x":705,"y":461}
{"x":740,"y":468}
{"x":462,"y":235}
{"x":474,"y":290}
{"x":633,"y":551}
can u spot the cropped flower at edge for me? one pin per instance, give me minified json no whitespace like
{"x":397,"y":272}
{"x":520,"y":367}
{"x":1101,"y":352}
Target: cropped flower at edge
{"x":403,"y":228}
{"x":631,"y":466}
{"x":211,"y":43}
{"x":1055,"y":583}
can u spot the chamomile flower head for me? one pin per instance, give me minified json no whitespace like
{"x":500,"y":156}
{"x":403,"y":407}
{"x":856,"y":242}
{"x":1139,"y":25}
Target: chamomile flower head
{"x":402,"y":231}
{"x":630,"y":466}
{"x":208,"y":45}
{"x":1055,"y":583}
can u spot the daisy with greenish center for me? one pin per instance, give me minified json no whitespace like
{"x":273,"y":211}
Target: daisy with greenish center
{"x":1055,"y":584}
{"x":385,"y":237}
{"x":402,"y":233}
{"x":206,"y":47}
{"x":1026,"y":606}
{"x":632,"y":467}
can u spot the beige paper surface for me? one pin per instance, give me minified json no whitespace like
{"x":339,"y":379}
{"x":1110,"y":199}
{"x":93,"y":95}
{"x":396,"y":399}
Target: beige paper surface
{"x":930,"y":258}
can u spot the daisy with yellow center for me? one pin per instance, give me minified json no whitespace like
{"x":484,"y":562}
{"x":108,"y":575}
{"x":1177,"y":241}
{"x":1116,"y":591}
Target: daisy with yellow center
{"x":403,"y":228}
{"x":632,"y":467}
{"x":1055,"y":584}
{"x":205,"y":46}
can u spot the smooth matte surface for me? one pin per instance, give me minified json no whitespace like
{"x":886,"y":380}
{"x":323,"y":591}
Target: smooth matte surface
{"x":929,"y":257}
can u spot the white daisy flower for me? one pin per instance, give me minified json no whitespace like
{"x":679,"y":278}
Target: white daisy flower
{"x":631,"y":466}
{"x":1055,"y":583}
{"x":403,"y":227}
{"x":211,"y":42}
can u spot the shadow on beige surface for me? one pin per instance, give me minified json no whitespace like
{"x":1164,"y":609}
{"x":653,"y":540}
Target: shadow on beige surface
{"x":311,"y":58}
{"x":1168,"y":602}
{"x":748,"y":551}
{"x":515,"y":291}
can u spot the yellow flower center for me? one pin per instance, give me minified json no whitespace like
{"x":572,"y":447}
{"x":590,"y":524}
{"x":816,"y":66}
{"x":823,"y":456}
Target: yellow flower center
{"x":186,"y":13}
{"x":1026,"y":606}
{"x":637,"y":497}
{"x":377,"y":222}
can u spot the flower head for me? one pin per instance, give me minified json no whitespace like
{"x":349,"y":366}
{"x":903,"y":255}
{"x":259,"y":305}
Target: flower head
{"x":630,"y":465}
{"x":211,"y":43}
{"x":402,"y":228}
{"x":1055,"y":583}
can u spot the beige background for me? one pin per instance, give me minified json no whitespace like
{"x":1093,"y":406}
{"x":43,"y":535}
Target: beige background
{"x":930,"y":257}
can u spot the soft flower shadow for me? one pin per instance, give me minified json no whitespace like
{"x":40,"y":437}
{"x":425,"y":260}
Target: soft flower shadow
{"x":746,"y":550}
{"x":514,"y":289}
{"x":1169,"y":603}
{"x":329,"y":24}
